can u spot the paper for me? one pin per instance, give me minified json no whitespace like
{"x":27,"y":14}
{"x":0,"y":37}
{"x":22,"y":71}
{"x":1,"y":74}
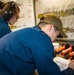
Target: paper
{"x":61,"y":62}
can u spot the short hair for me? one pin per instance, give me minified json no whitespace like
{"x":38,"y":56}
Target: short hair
{"x":56,"y":21}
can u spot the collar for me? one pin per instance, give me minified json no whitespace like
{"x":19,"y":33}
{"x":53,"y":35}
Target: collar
{"x":37,"y":28}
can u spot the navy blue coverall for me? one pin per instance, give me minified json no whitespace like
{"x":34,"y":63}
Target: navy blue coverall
{"x":23,"y":51}
{"x":4,"y":28}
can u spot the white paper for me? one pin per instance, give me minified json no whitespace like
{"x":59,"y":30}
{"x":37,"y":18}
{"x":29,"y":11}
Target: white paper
{"x":61,"y":62}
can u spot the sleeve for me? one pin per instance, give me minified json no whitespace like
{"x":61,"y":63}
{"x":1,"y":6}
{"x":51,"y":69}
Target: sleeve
{"x":43,"y":58}
{"x":67,"y":71}
{"x":4,"y":29}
